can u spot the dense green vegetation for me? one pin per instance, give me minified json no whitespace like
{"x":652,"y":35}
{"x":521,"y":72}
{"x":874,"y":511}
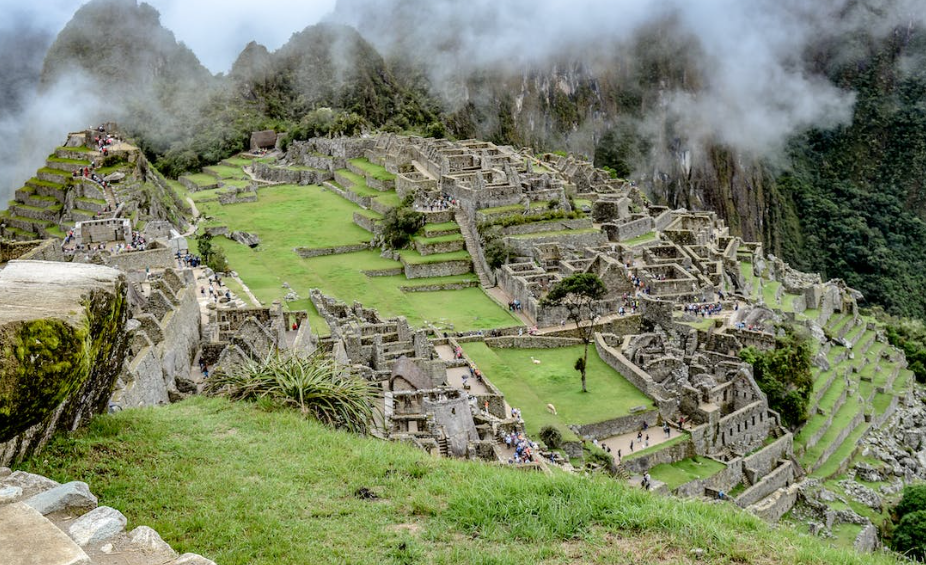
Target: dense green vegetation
{"x":909,"y":534}
{"x":246,"y":486}
{"x":859,"y":187}
{"x":784,"y":375}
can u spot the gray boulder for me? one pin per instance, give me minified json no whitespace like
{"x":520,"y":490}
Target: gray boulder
{"x":71,"y":496}
{"x":29,"y":482}
{"x":192,"y":559}
{"x":97,"y":526}
{"x":148,"y":540}
{"x":9,"y":494}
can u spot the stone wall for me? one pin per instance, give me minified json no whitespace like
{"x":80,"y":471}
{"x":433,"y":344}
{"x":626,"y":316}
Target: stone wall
{"x":628,"y":230}
{"x":307,"y":253}
{"x":724,"y":480}
{"x":104,"y":231}
{"x":127,"y":261}
{"x":617,"y":426}
{"x":643,"y":463}
{"x":441,"y":269}
{"x":553,"y":225}
{"x":531,"y":342}
{"x":763,"y":461}
{"x":778,"y":478}
{"x":773,"y":507}
{"x":744,"y":429}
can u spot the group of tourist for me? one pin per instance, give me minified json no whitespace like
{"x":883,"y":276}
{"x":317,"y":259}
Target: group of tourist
{"x":750,"y":327}
{"x":139,"y":243}
{"x":704,"y":310}
{"x":514,"y":305}
{"x":445,"y":202}
{"x":215,"y":290}
{"x":523,"y":448}
{"x":188,"y":260}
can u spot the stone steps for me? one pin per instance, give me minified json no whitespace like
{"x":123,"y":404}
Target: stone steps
{"x":45,"y":523}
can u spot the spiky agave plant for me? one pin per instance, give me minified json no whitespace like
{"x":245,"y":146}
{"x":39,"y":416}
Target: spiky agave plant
{"x":316,"y":386}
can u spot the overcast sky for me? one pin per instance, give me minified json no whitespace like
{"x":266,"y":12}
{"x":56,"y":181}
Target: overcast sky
{"x":216,"y":30}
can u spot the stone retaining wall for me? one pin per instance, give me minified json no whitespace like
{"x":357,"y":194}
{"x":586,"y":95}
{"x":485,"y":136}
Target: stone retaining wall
{"x":140,"y":260}
{"x":530,"y":342}
{"x":673,"y":453}
{"x":763,"y":461}
{"x":367,"y":223}
{"x":551,"y":225}
{"x":437,"y":287}
{"x":837,"y":441}
{"x":617,"y":426}
{"x":723,"y":480}
{"x":780,"y":477}
{"x":441,"y":269}
{"x":628,"y":230}
{"x":307,"y":252}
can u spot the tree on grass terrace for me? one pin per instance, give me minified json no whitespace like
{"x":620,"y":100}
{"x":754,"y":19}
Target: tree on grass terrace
{"x":400,"y":224}
{"x":212,"y":256}
{"x":784,"y":375}
{"x":579,"y":294}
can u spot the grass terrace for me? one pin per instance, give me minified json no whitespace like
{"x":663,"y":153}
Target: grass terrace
{"x":201,"y":179}
{"x":216,"y":494}
{"x":225,"y":172}
{"x":676,"y":474}
{"x":531,"y":387}
{"x":239,"y":161}
{"x":376,"y":171}
{"x":640,"y":239}
{"x":414,"y":258}
{"x":81,"y":162}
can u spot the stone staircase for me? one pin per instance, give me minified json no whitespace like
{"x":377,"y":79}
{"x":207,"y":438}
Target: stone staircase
{"x":43,"y":522}
{"x":471,"y":239}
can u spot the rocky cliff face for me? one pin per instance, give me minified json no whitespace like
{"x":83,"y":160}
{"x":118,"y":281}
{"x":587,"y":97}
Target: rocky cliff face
{"x":62,"y":345}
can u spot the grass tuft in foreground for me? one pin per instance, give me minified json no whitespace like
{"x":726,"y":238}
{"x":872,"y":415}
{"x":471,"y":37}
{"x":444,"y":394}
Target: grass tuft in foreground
{"x":245,"y":486}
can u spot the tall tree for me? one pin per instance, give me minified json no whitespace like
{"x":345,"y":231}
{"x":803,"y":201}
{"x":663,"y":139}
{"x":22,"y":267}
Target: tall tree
{"x":579,"y":294}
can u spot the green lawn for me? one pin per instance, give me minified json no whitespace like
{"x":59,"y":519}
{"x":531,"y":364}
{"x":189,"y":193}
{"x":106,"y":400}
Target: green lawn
{"x":531,"y":387}
{"x":241,"y":486}
{"x":678,"y":473}
{"x":341,"y":276}
{"x":290,"y":216}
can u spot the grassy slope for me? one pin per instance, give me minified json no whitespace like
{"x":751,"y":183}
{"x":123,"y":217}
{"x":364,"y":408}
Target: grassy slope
{"x":531,"y":387}
{"x":243,"y":486}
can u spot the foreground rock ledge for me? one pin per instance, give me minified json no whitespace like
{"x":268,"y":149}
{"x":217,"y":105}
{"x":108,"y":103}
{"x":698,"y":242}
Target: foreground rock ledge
{"x":62,"y":342}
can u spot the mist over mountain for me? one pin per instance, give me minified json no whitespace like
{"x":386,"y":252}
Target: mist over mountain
{"x":742,"y":108}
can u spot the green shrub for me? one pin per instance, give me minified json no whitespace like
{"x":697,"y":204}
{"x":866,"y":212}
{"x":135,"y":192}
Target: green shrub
{"x":400,"y":224}
{"x":317,"y":386}
{"x":784,"y":375}
{"x":497,"y":253}
{"x":910,"y":536}
{"x":551,"y":436}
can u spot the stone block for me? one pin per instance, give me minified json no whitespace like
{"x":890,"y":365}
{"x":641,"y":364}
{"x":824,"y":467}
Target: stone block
{"x":9,"y":494}
{"x":149,"y":541}
{"x":74,"y":496}
{"x":28,"y":482}
{"x":28,"y":538}
{"x":97,"y":526}
{"x":191,"y":559}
